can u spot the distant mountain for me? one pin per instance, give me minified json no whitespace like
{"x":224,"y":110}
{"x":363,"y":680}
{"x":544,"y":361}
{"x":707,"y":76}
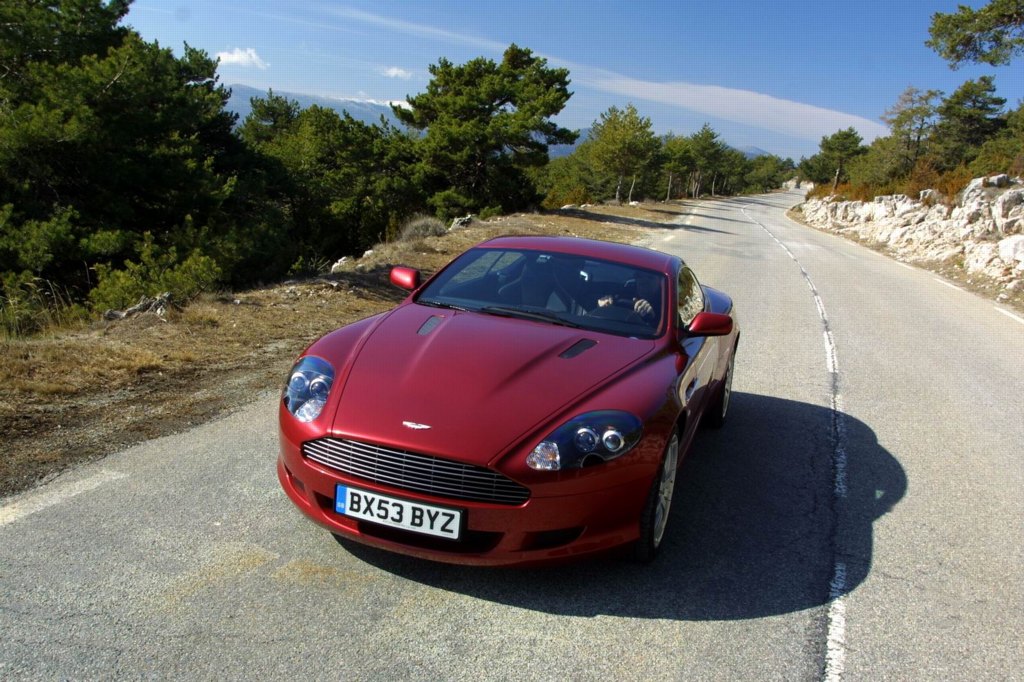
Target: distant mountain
{"x":752,"y":152}
{"x":557,"y":151}
{"x":367,"y":111}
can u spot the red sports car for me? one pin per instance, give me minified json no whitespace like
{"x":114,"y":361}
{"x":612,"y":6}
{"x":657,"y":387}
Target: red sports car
{"x":530,"y":402}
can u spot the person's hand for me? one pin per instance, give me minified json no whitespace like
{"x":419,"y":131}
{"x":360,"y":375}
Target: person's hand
{"x":643,"y":307}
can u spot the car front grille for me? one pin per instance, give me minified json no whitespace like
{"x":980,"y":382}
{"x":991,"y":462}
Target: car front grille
{"x":415,"y":472}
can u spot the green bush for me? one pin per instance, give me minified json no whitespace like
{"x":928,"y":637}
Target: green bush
{"x":153,"y":274}
{"x":562,"y":196}
{"x":309,"y":266}
{"x":490,"y":212}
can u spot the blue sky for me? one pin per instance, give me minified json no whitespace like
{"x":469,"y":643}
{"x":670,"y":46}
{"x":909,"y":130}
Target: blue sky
{"x":776,"y":75}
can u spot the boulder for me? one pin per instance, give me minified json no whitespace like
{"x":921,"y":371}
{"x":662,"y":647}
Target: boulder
{"x":1011,"y":249}
{"x":1008,"y":211}
{"x":979,"y":255}
{"x":339,"y":265}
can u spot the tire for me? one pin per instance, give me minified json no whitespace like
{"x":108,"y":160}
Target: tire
{"x":654,"y":518}
{"x":716,"y":412}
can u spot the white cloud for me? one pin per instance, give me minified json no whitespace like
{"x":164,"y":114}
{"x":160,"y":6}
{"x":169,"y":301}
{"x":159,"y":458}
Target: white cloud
{"x":418,"y":30}
{"x":242,"y":57}
{"x":795,"y":119}
{"x":396,"y":72}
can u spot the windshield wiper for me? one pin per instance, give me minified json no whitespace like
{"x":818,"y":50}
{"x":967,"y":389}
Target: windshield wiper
{"x":538,"y":315}
{"x":440,"y":304}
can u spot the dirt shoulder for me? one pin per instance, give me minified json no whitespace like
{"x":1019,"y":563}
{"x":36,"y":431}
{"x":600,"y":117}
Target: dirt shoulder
{"x":80,"y":394}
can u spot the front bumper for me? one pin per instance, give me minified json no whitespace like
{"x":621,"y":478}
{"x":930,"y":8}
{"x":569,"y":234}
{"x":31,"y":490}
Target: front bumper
{"x":540,"y":530}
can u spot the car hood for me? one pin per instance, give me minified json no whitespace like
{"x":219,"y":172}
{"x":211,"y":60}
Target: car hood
{"x":467,"y":385}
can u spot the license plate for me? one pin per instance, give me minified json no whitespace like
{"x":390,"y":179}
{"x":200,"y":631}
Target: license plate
{"x":390,"y":511}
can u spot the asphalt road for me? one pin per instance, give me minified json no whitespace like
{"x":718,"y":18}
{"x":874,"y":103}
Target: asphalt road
{"x":860,"y":517}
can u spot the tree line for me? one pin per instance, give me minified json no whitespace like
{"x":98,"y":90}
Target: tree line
{"x":937,"y":141}
{"x":623,"y":159}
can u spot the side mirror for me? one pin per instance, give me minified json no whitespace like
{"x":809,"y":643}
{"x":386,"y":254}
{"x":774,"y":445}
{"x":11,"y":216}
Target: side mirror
{"x":710,"y":324}
{"x":405,"y":278}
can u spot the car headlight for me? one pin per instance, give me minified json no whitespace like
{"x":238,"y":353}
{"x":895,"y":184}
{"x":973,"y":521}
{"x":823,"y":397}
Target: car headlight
{"x":588,"y":439}
{"x":309,"y":384}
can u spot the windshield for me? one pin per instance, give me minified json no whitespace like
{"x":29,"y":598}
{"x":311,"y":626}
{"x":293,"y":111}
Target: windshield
{"x":553,"y":288}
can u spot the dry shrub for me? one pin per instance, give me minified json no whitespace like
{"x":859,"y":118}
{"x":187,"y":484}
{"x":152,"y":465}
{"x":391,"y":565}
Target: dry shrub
{"x":844,"y":192}
{"x":421,"y":226}
{"x":926,"y":176}
{"x":201,"y":315}
{"x":951,"y":183}
{"x":819,"y":192}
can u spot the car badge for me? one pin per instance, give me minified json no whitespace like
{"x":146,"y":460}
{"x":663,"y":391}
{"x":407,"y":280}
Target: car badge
{"x":415,"y":426}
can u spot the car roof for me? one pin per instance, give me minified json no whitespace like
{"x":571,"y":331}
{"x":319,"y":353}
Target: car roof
{"x":633,"y":256}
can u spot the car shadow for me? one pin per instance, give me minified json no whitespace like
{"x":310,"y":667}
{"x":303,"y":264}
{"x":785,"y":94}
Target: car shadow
{"x":755,"y":529}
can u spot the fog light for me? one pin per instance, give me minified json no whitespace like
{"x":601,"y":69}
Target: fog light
{"x":544,"y":457}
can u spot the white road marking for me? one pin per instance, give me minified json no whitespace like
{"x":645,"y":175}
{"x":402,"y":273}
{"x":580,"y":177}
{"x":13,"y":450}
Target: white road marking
{"x":951,"y":286}
{"x":669,"y":238}
{"x":830,"y":352}
{"x":835,"y":647}
{"x":49,"y":498}
{"x":835,"y":638}
{"x":1010,"y":315}
{"x":903,"y":265}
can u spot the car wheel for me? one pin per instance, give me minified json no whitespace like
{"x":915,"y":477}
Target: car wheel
{"x":654,"y":518}
{"x":719,"y":407}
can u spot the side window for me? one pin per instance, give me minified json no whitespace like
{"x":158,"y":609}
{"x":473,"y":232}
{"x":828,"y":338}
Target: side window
{"x":691,"y":298}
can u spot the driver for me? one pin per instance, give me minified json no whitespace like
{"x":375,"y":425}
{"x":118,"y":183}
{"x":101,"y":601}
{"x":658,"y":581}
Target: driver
{"x":646,"y":292}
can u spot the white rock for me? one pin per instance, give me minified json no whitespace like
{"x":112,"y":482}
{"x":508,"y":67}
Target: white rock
{"x":338,"y":266}
{"x":569,"y":207}
{"x":368,"y":252}
{"x":1008,"y":209}
{"x":1002,"y":180}
{"x":978,"y":255}
{"x":1011,"y":249}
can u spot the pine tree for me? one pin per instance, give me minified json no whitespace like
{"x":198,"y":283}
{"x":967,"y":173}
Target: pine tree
{"x":485,"y":124}
{"x":623,"y":144}
{"x":993,"y":34}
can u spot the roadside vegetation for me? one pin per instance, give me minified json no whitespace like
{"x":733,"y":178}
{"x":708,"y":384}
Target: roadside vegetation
{"x":937,"y":141}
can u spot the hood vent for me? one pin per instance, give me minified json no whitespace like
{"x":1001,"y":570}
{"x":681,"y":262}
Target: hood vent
{"x":577,"y":348}
{"x":429,"y":325}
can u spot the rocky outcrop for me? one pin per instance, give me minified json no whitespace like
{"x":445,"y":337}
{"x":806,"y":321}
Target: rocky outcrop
{"x":981,"y":230}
